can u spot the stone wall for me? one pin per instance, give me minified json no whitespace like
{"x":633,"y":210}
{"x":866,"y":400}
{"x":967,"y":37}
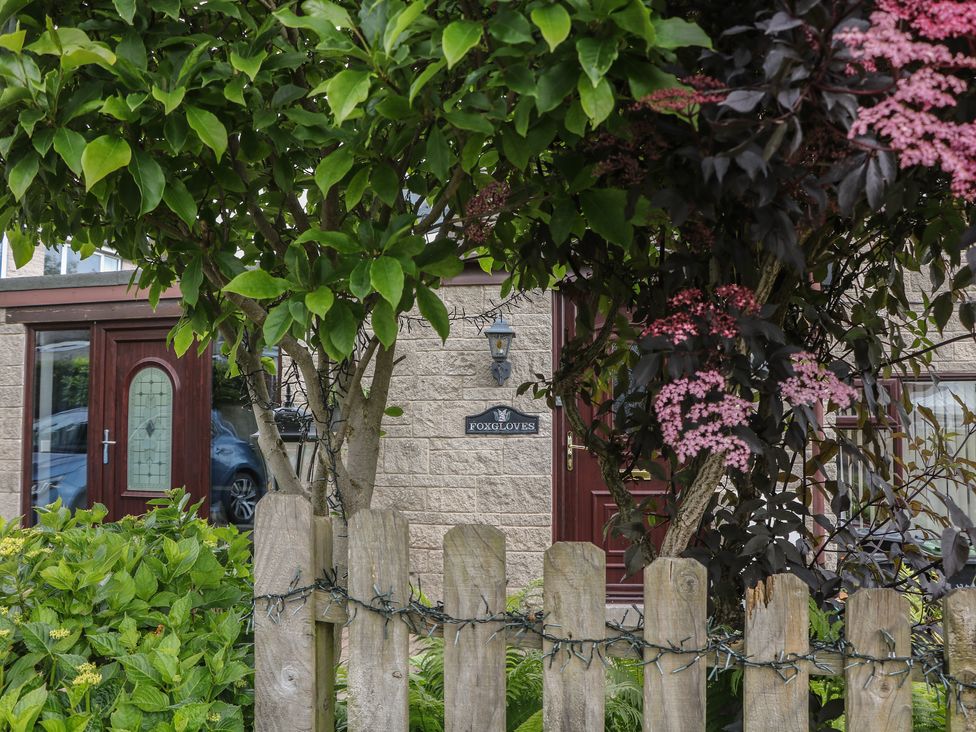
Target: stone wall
{"x":12,"y":345}
{"x":438,"y":476}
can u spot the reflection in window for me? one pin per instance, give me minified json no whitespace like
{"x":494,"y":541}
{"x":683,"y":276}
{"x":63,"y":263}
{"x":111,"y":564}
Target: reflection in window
{"x":237,"y":473}
{"x":941,"y":400}
{"x":149,"y":449}
{"x":59,"y":439}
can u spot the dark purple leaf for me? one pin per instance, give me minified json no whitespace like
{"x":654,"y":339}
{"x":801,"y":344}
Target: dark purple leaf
{"x":782,"y":21}
{"x":743,"y":100}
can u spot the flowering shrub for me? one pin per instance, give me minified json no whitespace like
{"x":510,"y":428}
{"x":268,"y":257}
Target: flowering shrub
{"x":905,"y":38}
{"x":813,"y":383}
{"x":697,"y":414}
{"x":136,"y":625}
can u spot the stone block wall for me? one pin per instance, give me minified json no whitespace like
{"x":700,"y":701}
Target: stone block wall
{"x":438,"y":476}
{"x":12,"y":345}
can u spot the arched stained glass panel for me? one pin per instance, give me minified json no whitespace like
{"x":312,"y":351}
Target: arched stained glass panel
{"x":150,"y":437}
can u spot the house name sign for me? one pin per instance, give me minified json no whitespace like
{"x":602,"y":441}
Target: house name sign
{"x":501,"y":420}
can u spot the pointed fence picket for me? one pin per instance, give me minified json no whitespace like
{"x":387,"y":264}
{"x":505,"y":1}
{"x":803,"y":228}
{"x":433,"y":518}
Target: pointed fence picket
{"x":295,"y":646}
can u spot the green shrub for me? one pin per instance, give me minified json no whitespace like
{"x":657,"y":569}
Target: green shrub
{"x":135,"y":625}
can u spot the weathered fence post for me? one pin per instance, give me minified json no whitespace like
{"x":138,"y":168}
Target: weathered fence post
{"x":675,"y":614}
{"x":878,"y":625}
{"x":959,"y":620}
{"x":474,"y":662}
{"x":325,"y":657}
{"x":379,"y":566}
{"x":284,"y":635}
{"x":573,"y":598}
{"x":777,"y":624}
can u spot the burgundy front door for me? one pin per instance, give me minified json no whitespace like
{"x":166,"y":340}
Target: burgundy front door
{"x":581,"y":502}
{"x":149,"y":428}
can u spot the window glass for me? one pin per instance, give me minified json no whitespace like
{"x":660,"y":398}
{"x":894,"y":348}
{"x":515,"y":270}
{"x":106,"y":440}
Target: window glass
{"x":59,"y":437}
{"x":238,"y":477}
{"x":52,"y":261}
{"x":941,"y":399}
{"x":149,"y":450}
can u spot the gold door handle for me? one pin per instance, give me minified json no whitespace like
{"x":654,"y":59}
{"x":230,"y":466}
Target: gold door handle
{"x":569,"y":451}
{"x":640,"y":475}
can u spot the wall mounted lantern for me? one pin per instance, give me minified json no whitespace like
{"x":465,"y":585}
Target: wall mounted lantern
{"x":500,"y":336}
{"x":297,"y":431}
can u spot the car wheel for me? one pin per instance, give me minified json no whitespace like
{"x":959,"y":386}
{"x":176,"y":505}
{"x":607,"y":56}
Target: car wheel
{"x":242,"y":498}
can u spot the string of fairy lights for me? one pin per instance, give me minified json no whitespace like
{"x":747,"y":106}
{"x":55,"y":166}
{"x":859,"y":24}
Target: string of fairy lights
{"x":724,"y":649}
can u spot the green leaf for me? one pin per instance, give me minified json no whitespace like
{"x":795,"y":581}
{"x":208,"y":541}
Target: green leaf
{"x":393,"y":411}
{"x":337,"y":240}
{"x":258,"y":284}
{"x":386,"y":276}
{"x":102,"y":156}
{"x":439,"y":155}
{"x":942,"y":309}
{"x":400,"y":23}
{"x":459,"y":38}
{"x":426,"y":75}
{"x":234,"y":91}
{"x":340,"y":327}
{"x":678,"y":33}
{"x":345,"y":91}
{"x":250,"y":65}
{"x":209,"y":129}
{"x":126,"y":9}
{"x":320,"y":300}
{"x":636,"y":19}
{"x":605,"y":211}
{"x":333,"y":168}
{"x":22,"y":247}
{"x":386,"y":184}
{"x":434,"y":311}
{"x":553,"y":86}
{"x":149,"y":178}
{"x":596,"y":56}
{"x":277,"y":324}
{"x":169,"y":99}
{"x":385,"y":323}
{"x":22,"y":174}
{"x":597,"y":101}
{"x":554,"y":22}
{"x":190,"y":282}
{"x":13,"y":41}
{"x":356,"y":187}
{"x":359,"y":284}
{"x":180,"y":202}
{"x":471,"y":122}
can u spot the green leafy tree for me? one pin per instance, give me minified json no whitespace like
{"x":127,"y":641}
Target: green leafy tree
{"x":307,"y":172}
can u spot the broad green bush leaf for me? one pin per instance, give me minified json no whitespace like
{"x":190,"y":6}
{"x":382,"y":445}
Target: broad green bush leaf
{"x":678,"y":33}
{"x":596,"y":56}
{"x":320,"y":300}
{"x":209,"y":129}
{"x":385,"y":323}
{"x":23,"y":174}
{"x":597,"y":100}
{"x":433,"y":309}
{"x":554,"y":23}
{"x":459,"y":38}
{"x":70,"y":145}
{"x":149,"y":178}
{"x":169,"y":99}
{"x":250,"y":65}
{"x":386,"y":276}
{"x":257,"y":284}
{"x":333,"y":168}
{"x":103,"y":156}
{"x":345,"y":91}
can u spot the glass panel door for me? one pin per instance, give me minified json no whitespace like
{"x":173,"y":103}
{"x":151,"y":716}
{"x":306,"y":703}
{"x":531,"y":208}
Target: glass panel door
{"x":59,"y":437}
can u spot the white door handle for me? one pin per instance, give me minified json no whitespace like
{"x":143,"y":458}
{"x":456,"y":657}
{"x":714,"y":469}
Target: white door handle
{"x":105,"y":443}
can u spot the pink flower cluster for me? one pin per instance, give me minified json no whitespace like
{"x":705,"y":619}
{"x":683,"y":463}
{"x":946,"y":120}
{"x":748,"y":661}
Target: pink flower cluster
{"x":696,"y":315}
{"x":812,"y":383}
{"x":927,"y":81}
{"x":696,"y":414}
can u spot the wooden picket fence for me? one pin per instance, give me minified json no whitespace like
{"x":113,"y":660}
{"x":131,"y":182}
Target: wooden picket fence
{"x":295,"y":655}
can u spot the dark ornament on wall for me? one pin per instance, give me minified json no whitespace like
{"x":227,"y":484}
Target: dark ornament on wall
{"x":501,"y":420}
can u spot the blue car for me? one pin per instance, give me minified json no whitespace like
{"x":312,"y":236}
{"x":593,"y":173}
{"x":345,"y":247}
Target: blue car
{"x":60,"y":470}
